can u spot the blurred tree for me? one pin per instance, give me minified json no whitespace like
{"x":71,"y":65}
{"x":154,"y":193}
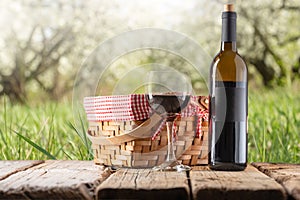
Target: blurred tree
{"x":269,"y":34}
{"x":45,"y":43}
{"x":33,"y":61}
{"x":127,"y":74}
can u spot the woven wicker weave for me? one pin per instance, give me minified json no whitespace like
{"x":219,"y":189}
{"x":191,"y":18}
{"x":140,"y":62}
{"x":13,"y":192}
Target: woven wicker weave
{"x":145,"y":152}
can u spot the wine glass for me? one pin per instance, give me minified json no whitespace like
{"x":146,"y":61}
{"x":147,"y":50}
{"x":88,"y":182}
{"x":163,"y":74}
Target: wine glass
{"x":168,"y":93}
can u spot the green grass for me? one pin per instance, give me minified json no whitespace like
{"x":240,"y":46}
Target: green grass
{"x":41,"y":132}
{"x":48,"y":131}
{"x":274,"y":126}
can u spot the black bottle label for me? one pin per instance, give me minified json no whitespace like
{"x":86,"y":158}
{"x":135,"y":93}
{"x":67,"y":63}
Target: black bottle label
{"x":230,"y":101}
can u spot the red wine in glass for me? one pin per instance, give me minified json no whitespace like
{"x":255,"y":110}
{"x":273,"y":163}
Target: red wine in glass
{"x":168,"y":105}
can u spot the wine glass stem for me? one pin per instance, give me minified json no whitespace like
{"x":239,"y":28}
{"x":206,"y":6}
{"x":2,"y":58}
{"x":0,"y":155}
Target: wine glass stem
{"x":171,"y":153}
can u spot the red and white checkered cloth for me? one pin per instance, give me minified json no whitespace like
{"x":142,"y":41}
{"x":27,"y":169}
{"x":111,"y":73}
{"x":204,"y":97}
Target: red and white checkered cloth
{"x":131,"y":107}
{"x":117,"y":108}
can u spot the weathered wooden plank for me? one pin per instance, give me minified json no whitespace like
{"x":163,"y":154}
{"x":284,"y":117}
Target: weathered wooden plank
{"x":286,"y":174}
{"x":78,"y":179}
{"x":248,"y":184}
{"x":8,"y":168}
{"x":144,"y":184}
{"x":54,"y":180}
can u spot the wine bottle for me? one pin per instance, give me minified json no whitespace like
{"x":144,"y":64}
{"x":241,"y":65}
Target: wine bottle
{"x":228,"y":108}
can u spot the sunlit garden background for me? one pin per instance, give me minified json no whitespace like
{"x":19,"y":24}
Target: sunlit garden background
{"x":44,"y":43}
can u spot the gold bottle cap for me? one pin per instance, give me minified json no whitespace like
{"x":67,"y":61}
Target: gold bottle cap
{"x":229,"y":8}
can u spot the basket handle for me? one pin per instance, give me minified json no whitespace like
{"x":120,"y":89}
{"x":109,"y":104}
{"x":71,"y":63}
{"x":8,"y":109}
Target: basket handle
{"x":142,"y":131}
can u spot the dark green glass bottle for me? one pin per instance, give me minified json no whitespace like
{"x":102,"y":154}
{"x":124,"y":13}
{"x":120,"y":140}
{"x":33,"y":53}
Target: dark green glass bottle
{"x":228,"y":102}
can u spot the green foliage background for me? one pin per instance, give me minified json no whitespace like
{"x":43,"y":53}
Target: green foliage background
{"x":45,"y":42}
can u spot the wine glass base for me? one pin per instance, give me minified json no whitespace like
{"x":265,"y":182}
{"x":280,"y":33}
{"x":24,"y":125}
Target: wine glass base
{"x":172,"y":166}
{"x":182,"y":168}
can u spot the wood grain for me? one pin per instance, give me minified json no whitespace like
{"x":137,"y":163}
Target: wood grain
{"x":54,"y":180}
{"x":144,"y":184}
{"x":84,"y":180}
{"x":248,"y":184}
{"x":8,"y":168}
{"x":286,"y":174}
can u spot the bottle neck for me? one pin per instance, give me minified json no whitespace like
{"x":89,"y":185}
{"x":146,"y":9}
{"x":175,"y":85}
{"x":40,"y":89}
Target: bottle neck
{"x":228,"y":31}
{"x":228,"y":46}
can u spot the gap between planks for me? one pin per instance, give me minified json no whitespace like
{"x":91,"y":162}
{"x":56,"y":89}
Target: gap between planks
{"x":248,"y":184}
{"x":288,"y":175}
{"x":201,"y":183}
{"x":78,"y":179}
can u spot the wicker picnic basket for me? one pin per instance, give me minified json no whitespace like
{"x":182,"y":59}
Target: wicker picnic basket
{"x":117,"y":141}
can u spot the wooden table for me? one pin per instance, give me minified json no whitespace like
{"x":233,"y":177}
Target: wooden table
{"x":84,"y":180}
